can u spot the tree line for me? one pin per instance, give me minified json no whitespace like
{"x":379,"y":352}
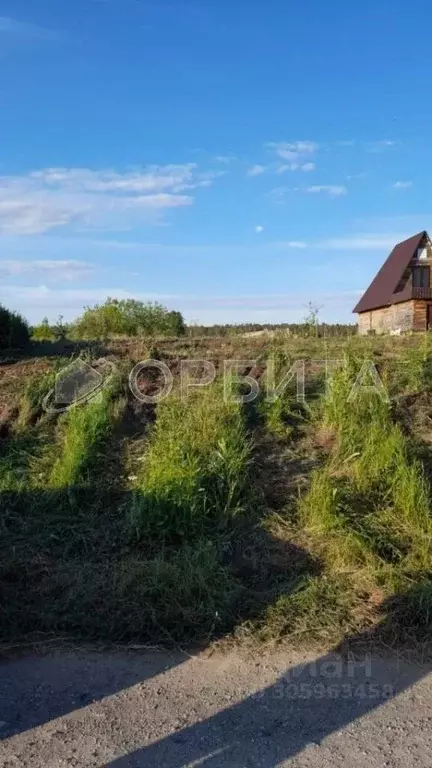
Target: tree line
{"x":132,"y":318}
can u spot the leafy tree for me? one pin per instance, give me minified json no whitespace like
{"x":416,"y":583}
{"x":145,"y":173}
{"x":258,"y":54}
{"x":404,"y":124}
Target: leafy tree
{"x":14,"y":330}
{"x":128,"y":317}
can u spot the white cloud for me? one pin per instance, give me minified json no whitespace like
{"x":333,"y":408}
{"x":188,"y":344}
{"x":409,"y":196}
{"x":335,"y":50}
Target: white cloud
{"x":293,"y":150}
{"x":328,"y":189}
{"x":57,"y":197}
{"x":259,"y":229}
{"x":295,"y":244}
{"x":361,"y":242}
{"x":402,"y":184}
{"x":287,"y":167}
{"x":225,"y":159}
{"x":154,"y":178}
{"x":297,"y":155}
{"x":308,"y":167}
{"x":256,"y":170}
{"x":47,"y":269}
{"x":358,"y":242}
{"x":27,"y":216}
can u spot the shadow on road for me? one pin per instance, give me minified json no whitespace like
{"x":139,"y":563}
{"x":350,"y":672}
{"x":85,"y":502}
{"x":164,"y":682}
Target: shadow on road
{"x":305,"y":705}
{"x":35,"y":689}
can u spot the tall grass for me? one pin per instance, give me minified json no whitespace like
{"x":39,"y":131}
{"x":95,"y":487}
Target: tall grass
{"x":369,"y":505}
{"x":182,"y":596}
{"x":82,"y":432}
{"x":196,"y":467}
{"x":72,"y":567}
{"x":30,"y":402}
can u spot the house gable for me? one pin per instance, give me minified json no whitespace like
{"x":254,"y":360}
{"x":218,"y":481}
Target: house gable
{"x":394,"y":275}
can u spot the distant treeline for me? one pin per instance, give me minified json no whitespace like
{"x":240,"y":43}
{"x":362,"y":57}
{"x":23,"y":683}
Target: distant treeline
{"x":136,"y":318}
{"x":303,"y":330}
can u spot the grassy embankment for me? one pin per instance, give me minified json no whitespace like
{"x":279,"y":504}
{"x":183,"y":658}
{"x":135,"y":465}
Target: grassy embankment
{"x":189,"y":543}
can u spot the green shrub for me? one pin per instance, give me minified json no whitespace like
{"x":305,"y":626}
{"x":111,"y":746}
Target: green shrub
{"x":43,"y":332}
{"x":128,"y":317}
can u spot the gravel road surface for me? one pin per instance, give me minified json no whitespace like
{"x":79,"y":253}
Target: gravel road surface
{"x":165,"y":710}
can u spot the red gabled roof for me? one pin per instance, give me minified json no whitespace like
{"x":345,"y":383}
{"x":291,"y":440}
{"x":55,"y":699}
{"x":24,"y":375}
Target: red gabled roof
{"x":381,"y":290}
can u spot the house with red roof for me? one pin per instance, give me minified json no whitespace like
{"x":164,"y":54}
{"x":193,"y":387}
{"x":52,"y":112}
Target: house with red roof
{"x":399,"y":297}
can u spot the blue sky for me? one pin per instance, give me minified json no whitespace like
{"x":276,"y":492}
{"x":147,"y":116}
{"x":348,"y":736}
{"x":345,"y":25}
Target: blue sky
{"x":232,"y":160}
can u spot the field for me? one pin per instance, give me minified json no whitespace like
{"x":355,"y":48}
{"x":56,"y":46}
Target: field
{"x":282,"y":518}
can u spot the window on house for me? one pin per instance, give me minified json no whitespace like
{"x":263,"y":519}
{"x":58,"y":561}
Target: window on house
{"x":421,"y":277}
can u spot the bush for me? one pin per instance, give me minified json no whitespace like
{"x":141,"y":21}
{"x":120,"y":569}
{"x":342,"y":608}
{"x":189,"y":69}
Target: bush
{"x":14,"y":331}
{"x":43,"y":332}
{"x":128,"y":317}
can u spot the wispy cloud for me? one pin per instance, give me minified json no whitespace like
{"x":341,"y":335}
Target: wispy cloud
{"x":328,"y":189}
{"x":225,"y":159}
{"x":361,"y":242}
{"x":358,"y":242}
{"x":293,"y":150}
{"x":256,"y":170}
{"x":307,"y":167}
{"x":51,"y":270}
{"x":402,"y":184}
{"x":296,"y":154}
{"x":259,"y":228}
{"x":381,"y":146}
{"x":56,"y":197}
{"x":297,"y":244}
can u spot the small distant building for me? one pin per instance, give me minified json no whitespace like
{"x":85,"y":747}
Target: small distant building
{"x":399,"y":297}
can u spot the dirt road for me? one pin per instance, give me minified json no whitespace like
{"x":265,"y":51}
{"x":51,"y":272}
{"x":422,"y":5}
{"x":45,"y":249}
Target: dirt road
{"x":170,"y":710}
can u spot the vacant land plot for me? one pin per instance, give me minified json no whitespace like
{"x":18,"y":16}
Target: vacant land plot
{"x":201,"y":516}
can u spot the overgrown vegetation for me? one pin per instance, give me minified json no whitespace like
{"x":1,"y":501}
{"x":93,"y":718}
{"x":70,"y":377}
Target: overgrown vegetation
{"x":196,"y":467}
{"x":127,"y":317}
{"x":367,"y":509}
{"x":198,"y":517}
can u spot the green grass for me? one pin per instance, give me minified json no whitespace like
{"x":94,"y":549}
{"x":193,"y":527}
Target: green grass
{"x":317,"y":608}
{"x":367,"y":508}
{"x":185,"y":596}
{"x":195,"y":472}
{"x":30,"y":403}
{"x":82,"y":434}
{"x":182,"y":549}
